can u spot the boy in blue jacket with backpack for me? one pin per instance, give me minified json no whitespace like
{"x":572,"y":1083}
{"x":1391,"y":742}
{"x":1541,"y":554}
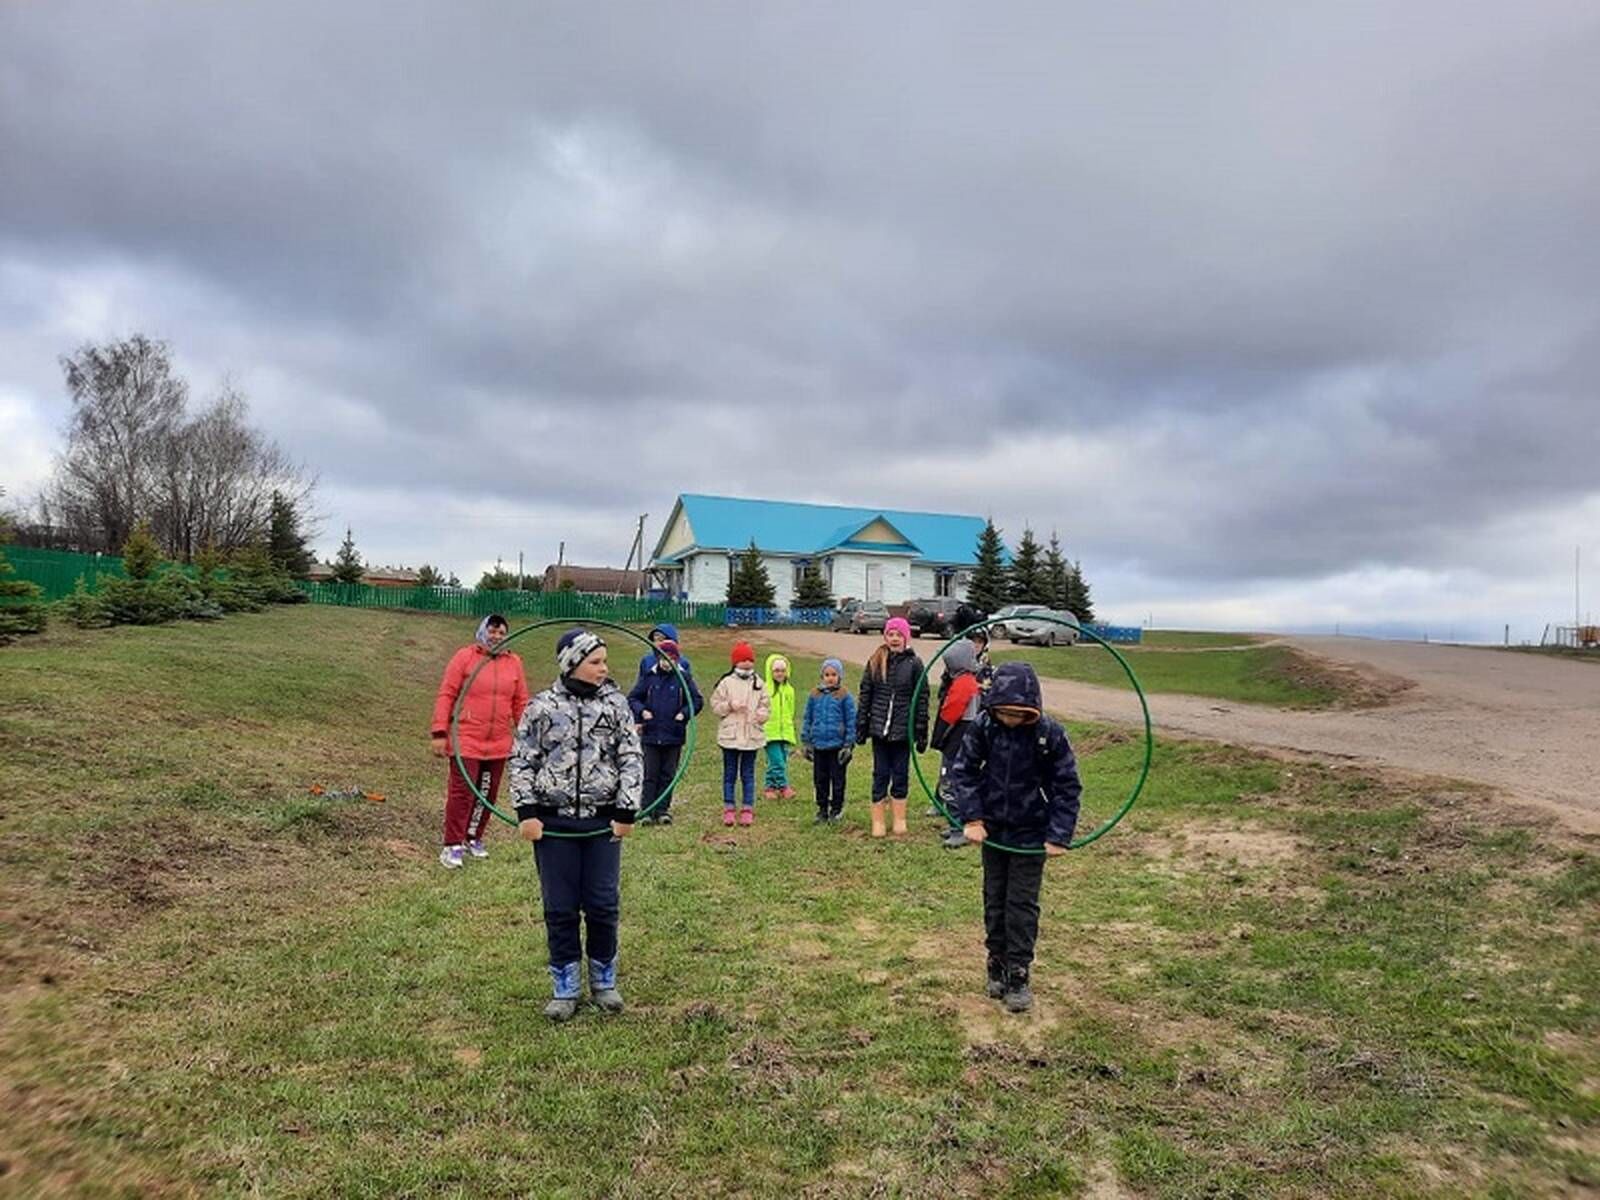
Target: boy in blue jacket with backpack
{"x":662,"y":712}
{"x":1015,"y":780}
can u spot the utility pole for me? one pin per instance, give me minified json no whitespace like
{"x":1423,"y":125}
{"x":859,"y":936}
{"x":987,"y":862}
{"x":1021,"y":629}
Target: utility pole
{"x":561,"y":561}
{"x":1577,"y":604}
{"x":520,"y":576}
{"x":636,"y":549}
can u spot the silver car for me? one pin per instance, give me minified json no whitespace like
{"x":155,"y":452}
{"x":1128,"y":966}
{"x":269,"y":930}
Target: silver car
{"x":1043,"y":628}
{"x":1005,"y":615}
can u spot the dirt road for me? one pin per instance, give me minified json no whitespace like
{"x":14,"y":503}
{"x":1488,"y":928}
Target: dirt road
{"x":1525,"y":725}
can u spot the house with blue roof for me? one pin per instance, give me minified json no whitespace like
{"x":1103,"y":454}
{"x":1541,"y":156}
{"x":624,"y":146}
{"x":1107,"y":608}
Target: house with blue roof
{"x":870,"y":553}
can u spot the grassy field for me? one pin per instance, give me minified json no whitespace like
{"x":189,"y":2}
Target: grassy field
{"x":1271,"y":980}
{"x":1226,"y":666}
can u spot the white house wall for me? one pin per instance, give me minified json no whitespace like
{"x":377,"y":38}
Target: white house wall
{"x":921,"y":581}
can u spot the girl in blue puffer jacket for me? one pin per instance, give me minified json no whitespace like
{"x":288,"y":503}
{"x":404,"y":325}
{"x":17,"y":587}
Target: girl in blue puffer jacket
{"x":827,"y":734}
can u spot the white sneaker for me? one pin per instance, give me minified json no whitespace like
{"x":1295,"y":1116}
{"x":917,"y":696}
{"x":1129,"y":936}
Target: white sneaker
{"x":477,"y":849}
{"x":450,"y":857}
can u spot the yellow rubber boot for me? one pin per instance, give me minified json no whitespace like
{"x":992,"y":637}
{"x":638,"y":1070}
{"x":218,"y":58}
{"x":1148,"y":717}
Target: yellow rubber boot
{"x":877,"y":819}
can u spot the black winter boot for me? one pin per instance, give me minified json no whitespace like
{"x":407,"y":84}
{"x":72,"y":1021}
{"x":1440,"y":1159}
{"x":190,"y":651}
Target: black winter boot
{"x":997,"y":978}
{"x":1018,"y":996}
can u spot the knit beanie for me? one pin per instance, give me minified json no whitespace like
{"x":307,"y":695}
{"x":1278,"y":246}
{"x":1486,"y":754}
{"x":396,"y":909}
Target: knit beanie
{"x":741,"y":652}
{"x":669,"y":648}
{"x":837,"y":666}
{"x":575,"y":646}
{"x":900,"y":623}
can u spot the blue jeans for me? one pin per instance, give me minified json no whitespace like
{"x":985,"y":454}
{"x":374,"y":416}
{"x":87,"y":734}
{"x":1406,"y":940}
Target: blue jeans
{"x":740,"y":764}
{"x":778,"y":765}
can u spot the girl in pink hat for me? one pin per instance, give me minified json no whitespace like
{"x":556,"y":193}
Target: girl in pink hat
{"x":885,"y":699}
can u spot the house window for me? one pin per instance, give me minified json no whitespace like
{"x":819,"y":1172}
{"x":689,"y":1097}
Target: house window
{"x":688,"y":576}
{"x":801,"y":566}
{"x":942,"y":583}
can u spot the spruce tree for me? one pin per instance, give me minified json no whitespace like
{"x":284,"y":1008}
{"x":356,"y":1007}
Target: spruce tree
{"x":813,"y":591}
{"x":140,"y":554}
{"x":750,"y":586}
{"x":285,"y":542}
{"x":1078,"y":598}
{"x":348,"y":567}
{"x":428,"y":576}
{"x":987,"y":591}
{"x":1058,"y":575}
{"x":22,"y":608}
{"x":1027,"y":581}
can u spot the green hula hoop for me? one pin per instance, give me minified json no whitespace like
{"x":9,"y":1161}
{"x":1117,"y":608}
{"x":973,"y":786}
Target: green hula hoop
{"x":1077,"y":843}
{"x":455,"y":728}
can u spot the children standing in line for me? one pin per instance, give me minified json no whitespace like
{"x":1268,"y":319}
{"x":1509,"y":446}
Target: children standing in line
{"x":826,"y":736}
{"x":959,"y":696}
{"x":662,"y":711}
{"x":740,"y":700}
{"x":577,"y":768}
{"x":1015,"y":780}
{"x":886,"y":685}
{"x":781,"y":736}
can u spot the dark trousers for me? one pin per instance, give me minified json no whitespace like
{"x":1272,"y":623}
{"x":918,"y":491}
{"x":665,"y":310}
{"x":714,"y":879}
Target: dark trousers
{"x":660,"y":765}
{"x":1011,"y":884}
{"x":580,"y":876}
{"x":828,"y":773}
{"x":740,"y":765}
{"x":891,"y":768}
{"x":464,"y":817}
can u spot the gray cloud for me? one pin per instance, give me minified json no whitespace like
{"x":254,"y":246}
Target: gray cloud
{"x":1283,"y":292}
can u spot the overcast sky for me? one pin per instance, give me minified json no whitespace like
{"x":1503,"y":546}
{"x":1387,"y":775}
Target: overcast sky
{"x":1281,"y":315}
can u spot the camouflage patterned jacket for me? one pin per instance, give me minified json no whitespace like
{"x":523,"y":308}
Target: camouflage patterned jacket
{"x":577,"y":759}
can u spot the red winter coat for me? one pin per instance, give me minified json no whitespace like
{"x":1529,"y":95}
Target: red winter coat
{"x":493,"y":706}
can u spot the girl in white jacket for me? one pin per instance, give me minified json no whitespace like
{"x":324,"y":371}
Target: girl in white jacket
{"x":741,"y":702}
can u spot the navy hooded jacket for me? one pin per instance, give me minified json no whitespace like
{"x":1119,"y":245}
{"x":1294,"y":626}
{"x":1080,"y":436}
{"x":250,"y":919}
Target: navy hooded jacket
{"x":648,"y":662}
{"x":658,"y":693}
{"x":1020,"y":781}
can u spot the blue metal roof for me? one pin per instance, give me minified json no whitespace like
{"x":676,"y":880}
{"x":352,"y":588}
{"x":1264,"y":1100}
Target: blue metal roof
{"x":781,"y":527}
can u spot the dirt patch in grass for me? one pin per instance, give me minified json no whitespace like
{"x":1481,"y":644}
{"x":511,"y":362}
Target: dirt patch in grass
{"x":1250,"y":844}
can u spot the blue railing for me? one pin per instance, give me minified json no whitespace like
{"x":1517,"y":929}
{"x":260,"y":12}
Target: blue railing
{"x":1127,"y":634}
{"x":780,"y":616}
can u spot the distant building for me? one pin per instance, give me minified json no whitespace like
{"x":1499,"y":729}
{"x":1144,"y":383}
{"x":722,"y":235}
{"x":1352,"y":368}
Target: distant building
{"x":392,"y":577}
{"x":597,"y":581}
{"x":868,"y":553}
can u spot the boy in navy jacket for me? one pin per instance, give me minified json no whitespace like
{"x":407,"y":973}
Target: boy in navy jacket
{"x":1015,"y":780}
{"x":662,"y":713}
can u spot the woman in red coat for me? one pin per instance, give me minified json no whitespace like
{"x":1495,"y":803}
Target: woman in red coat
{"x":488,"y":716}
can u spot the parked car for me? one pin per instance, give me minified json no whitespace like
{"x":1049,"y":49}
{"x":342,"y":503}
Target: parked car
{"x":936,"y":616}
{"x":1005,"y":614}
{"x":861,"y":616}
{"x":1043,"y":629}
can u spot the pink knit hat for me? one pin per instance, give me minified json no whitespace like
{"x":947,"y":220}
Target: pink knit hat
{"x":897,"y":623}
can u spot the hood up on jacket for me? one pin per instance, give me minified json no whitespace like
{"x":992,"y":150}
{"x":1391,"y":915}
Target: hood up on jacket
{"x":1016,"y":687}
{"x":962,"y":658}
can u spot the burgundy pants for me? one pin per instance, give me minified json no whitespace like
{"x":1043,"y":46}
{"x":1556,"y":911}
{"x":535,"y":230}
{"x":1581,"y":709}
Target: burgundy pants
{"x":464,"y":817}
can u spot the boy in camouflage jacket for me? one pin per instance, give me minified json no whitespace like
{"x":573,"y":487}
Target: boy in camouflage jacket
{"x":576,"y":767}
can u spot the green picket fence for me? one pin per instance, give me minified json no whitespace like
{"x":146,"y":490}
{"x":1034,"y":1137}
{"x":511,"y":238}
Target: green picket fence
{"x":56,"y":571}
{"x":474,"y":602}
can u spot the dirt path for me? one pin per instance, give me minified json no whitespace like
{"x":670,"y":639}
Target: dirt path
{"x":1525,"y":725}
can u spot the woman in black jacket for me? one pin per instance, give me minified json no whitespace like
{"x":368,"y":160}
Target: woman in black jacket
{"x":885,"y":698}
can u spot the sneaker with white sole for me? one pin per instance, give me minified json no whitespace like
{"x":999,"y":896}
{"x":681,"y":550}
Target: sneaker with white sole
{"x":450,"y":858}
{"x":477,"y":849}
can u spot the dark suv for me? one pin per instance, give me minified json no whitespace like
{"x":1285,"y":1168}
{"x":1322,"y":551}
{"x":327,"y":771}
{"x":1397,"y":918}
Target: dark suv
{"x":937,"y":616}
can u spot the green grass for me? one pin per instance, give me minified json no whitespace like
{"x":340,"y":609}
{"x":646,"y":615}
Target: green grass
{"x":1198,"y":665}
{"x":1181,"y":639}
{"x":1270,"y":981}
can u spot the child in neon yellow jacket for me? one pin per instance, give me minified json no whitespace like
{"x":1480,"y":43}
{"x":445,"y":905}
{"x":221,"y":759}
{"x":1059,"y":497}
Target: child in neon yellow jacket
{"x":780,"y":728}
